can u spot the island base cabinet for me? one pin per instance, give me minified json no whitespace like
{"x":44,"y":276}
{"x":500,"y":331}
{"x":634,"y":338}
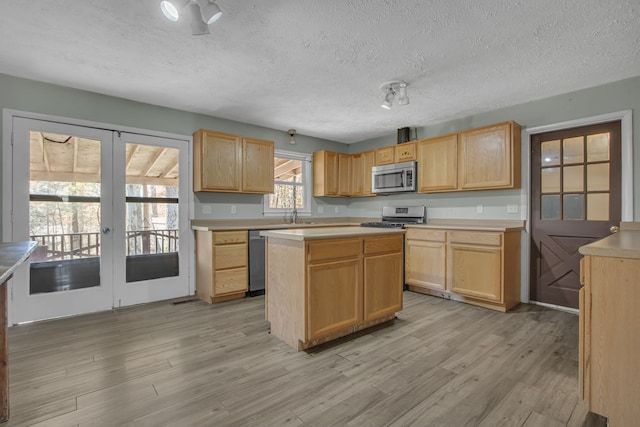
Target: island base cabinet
{"x":321,"y":290}
{"x":334,"y":291}
{"x":609,"y":339}
{"x":383,"y":295}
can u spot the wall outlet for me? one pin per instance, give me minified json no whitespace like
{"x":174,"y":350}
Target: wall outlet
{"x":206,"y":209}
{"x":479,"y":209}
{"x":233,"y":209}
{"x":512,"y":209}
{"x":320,"y":209}
{"x":337,"y":209}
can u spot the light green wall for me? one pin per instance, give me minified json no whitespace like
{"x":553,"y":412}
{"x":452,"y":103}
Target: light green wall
{"x":44,"y":98}
{"x":37,"y":97}
{"x":613,"y":97}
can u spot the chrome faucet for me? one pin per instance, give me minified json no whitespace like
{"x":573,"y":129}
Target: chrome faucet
{"x":294,"y":216}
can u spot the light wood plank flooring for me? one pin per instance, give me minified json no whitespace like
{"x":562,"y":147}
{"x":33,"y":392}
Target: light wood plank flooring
{"x":441,"y":363}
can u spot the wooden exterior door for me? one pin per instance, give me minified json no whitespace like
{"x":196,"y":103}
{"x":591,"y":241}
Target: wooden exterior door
{"x":575,"y":199}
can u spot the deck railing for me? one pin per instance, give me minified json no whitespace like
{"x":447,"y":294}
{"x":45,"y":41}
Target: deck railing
{"x":54,"y":247}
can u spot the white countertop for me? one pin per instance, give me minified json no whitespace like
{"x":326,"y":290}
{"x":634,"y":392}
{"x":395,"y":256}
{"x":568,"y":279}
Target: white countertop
{"x":267,"y":224}
{"x":13,"y":254}
{"x":329,"y":233}
{"x":472,"y":224}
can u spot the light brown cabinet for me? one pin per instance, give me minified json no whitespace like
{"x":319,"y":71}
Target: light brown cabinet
{"x":479,"y":159}
{"x":232,"y":164}
{"x":477,"y":267}
{"x":342,"y":175}
{"x":221,"y":265}
{"x":385,"y":155}
{"x":425,"y":258}
{"x":320,"y":290}
{"x":326,"y":174}
{"x":438,"y":164}
{"x":609,"y":366}
{"x":489,"y":157}
{"x":405,"y":152}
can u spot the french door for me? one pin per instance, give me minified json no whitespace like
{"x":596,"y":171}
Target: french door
{"x":105,"y":208}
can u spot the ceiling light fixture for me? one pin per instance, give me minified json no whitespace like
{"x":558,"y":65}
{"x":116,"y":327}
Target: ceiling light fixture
{"x":203,"y":13}
{"x":292,"y":136}
{"x":391,"y":89}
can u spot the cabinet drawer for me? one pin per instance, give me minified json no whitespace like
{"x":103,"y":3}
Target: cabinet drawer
{"x":333,"y":249}
{"x":379,"y":245}
{"x":230,"y":256}
{"x":475,"y":238}
{"x":229,"y":237}
{"x":230,"y":281}
{"x":425,"y":234}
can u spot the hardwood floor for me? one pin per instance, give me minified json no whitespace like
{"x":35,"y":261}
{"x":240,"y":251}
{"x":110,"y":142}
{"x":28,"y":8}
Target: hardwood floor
{"x":441,"y":363}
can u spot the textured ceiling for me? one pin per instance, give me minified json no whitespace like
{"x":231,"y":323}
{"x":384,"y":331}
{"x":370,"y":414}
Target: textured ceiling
{"x":317,"y":66}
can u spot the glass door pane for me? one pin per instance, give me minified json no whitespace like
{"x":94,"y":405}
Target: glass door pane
{"x":152,"y":234}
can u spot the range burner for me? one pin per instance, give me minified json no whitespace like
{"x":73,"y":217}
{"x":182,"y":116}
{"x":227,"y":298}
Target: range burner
{"x":398,"y":217}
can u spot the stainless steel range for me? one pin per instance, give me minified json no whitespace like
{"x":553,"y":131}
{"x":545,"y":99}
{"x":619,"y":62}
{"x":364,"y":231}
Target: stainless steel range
{"x":397,"y":217}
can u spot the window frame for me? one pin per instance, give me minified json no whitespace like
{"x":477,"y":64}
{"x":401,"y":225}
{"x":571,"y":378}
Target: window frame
{"x":306,"y":184}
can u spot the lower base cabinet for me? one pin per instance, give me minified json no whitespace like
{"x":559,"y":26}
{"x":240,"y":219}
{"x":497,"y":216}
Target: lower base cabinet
{"x":320,"y":290}
{"x":476,"y":267}
{"x":221,"y":265}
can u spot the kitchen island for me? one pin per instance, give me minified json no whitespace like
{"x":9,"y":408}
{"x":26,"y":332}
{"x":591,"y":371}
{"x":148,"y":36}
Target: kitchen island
{"x":325,"y":283}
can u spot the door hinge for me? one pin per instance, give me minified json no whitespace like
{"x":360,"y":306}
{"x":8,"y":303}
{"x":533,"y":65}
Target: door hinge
{"x":11,"y":293}
{"x":12,"y":137}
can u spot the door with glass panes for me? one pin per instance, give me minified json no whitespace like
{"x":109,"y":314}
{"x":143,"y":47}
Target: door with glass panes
{"x":104,"y":208}
{"x":575,"y":199}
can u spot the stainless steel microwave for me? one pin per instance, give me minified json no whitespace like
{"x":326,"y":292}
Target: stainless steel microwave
{"x":395,"y":178}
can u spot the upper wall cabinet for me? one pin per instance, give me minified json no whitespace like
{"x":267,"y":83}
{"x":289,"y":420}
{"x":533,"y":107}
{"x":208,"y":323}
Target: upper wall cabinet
{"x":478,"y":159}
{"x":338,"y":174}
{"x":232,"y":164}
{"x":405,"y":152}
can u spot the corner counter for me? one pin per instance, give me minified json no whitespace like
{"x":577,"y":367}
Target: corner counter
{"x":609,"y":366}
{"x":326,"y":283}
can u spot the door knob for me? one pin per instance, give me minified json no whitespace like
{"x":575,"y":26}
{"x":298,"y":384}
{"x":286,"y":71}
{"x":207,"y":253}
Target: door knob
{"x":106,"y":230}
{"x":614,"y":229}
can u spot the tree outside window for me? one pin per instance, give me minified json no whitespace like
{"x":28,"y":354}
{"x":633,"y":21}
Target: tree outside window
{"x":292,"y":184}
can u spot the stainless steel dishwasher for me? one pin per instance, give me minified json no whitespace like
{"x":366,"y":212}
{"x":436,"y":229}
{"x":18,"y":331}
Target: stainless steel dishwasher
{"x":256,"y":263}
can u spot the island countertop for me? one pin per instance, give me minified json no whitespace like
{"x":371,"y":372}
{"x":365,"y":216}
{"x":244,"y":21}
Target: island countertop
{"x":624,"y":244}
{"x":329,"y":233}
{"x":12,"y":254}
{"x":472,"y":224}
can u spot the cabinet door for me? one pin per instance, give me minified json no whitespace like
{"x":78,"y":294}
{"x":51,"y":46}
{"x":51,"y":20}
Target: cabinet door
{"x":382,"y":285}
{"x":344,"y":175}
{"x":257,"y":166}
{"x":219,"y":159}
{"x":368,"y":162}
{"x":425,"y":264}
{"x":230,"y":281}
{"x":485,"y":157}
{"x":405,"y":152}
{"x":476,"y":271}
{"x":384,"y":156}
{"x":357,"y":174}
{"x":325,"y":173}
{"x":438,"y":164}
{"x":334,"y":296}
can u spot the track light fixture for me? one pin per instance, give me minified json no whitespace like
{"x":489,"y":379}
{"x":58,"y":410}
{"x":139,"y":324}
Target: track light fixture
{"x":203,"y":13}
{"x":292,"y":136}
{"x":391,"y":89}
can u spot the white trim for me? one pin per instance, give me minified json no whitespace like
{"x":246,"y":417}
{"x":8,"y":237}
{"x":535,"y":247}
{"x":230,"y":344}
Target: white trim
{"x":556,"y":307}
{"x":626,"y":141}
